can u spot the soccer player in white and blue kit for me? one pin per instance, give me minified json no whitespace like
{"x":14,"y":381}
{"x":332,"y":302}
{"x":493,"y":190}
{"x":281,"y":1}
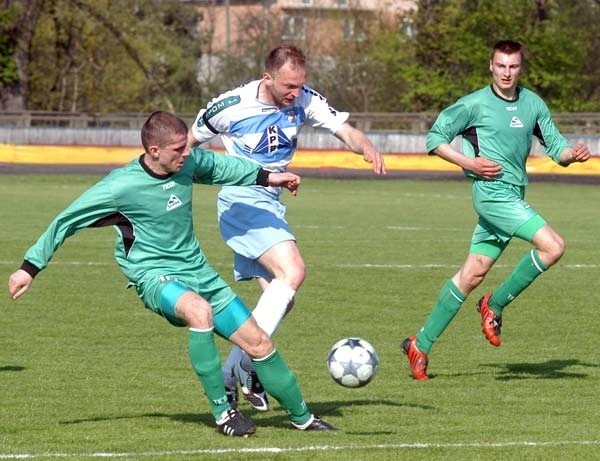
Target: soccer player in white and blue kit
{"x":261,"y":121}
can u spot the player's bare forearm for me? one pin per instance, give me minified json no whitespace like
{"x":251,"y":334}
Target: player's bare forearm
{"x":358,"y":142}
{"x":480,"y":165}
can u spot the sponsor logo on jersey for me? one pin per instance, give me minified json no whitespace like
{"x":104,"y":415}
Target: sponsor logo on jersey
{"x":516,"y":123}
{"x":173,"y":202}
{"x":221,"y":105}
{"x":273,"y":138}
{"x":511,"y":108}
{"x":168,"y":185}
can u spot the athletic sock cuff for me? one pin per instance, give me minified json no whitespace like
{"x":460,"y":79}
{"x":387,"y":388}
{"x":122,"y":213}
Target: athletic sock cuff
{"x":282,"y":288}
{"x":535,"y":257}
{"x":455,"y":292}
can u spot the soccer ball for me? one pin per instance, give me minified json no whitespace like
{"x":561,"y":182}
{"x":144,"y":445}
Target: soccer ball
{"x":352,"y":362}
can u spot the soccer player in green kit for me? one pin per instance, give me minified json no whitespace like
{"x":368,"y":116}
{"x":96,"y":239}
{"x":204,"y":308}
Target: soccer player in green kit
{"x":149,"y":203}
{"x":497,"y":124}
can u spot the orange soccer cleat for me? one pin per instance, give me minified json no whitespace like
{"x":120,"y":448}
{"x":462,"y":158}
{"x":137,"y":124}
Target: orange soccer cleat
{"x":491,"y":324}
{"x":417,"y":359}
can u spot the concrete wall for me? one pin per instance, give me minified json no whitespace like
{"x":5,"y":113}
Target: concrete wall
{"x":386,"y":142}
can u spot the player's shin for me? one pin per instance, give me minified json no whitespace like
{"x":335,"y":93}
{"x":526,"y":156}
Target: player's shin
{"x":272,"y":305}
{"x":204,"y":356}
{"x":447,"y":305}
{"x":280,"y":382}
{"x":526,"y":271}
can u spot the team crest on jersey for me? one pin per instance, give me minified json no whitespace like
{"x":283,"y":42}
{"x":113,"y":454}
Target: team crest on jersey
{"x":173,"y":202}
{"x":292,"y":116}
{"x":516,"y":123}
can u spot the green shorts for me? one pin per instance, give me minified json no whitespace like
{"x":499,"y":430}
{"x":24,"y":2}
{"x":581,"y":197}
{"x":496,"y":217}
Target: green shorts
{"x":159,"y":293}
{"x":503,"y":214}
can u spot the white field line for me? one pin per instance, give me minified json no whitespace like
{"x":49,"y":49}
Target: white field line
{"x":445,"y":266}
{"x":259,"y":450}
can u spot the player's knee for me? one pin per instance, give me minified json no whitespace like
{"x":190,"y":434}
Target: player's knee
{"x":472,"y":281}
{"x":294,"y":274}
{"x":556,"y":250}
{"x":260,"y":346}
{"x":196,"y":313}
{"x":470,"y":278}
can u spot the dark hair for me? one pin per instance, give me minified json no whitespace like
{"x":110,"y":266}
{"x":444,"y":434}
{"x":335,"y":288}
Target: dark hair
{"x":282,"y":54}
{"x":507,"y":47}
{"x":160,"y":127}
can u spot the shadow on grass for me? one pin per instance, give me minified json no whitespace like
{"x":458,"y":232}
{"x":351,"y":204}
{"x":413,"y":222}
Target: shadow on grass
{"x":276,"y":418}
{"x":550,"y":369}
{"x":12,"y":368}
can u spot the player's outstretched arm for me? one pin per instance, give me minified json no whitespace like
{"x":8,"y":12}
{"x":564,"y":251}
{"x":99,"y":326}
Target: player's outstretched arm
{"x":358,"y":142}
{"x":18,"y":283}
{"x":286,"y":179}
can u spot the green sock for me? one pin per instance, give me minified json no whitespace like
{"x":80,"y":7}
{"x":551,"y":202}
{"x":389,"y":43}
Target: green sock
{"x":280,"y":382}
{"x":447,"y":305}
{"x":207,"y":365}
{"x":526,"y":271}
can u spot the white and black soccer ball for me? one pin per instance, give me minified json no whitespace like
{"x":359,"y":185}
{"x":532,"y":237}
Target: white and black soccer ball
{"x":352,"y":362}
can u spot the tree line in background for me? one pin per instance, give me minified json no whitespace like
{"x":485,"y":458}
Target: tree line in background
{"x":142,"y":55}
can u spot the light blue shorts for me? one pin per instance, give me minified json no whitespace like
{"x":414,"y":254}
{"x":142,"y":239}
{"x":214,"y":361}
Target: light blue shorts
{"x":251,"y":220}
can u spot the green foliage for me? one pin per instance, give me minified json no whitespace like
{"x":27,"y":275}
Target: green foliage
{"x":87,"y":372}
{"x":8,"y":68}
{"x":130,"y":56}
{"x":80,"y":64}
{"x":448,"y":54}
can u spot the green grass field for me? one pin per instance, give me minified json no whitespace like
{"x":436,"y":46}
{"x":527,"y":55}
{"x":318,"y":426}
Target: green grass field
{"x":86,"y":372}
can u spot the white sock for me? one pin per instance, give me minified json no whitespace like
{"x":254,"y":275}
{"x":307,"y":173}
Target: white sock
{"x":272,"y":305}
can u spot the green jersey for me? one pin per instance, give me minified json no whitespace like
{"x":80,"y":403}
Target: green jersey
{"x":499,"y":130}
{"x":151,"y":213}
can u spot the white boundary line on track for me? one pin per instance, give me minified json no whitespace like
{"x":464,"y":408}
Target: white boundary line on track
{"x":226,"y":451}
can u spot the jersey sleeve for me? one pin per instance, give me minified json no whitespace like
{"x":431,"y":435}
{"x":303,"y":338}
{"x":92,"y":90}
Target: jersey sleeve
{"x":213,"y":168}
{"x":215,"y":118}
{"x":89,"y":208}
{"x":450,"y":123}
{"x":547,"y":133}
{"x":319,"y":113}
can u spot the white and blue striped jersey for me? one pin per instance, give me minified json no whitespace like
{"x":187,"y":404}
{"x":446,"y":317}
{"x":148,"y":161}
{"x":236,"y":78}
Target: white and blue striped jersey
{"x":264,"y":133}
{"x":253,"y":220}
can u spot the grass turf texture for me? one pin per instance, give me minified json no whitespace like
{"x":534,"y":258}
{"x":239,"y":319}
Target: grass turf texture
{"x":87,"y":372}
